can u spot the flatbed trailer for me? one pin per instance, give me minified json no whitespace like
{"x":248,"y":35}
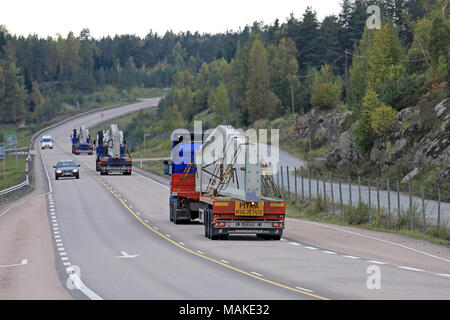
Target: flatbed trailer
{"x":83,"y":148}
{"x":111,"y":165}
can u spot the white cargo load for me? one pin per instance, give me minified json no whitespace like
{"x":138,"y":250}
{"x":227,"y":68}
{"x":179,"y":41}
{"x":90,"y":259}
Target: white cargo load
{"x":228,"y":165}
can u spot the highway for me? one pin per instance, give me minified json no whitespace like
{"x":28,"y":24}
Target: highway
{"x":109,"y":237}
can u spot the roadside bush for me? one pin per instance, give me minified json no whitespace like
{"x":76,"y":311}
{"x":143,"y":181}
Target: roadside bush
{"x":358,"y":215}
{"x":382,"y":120}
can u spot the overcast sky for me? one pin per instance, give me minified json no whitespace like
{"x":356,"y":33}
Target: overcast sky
{"x":110,"y":17}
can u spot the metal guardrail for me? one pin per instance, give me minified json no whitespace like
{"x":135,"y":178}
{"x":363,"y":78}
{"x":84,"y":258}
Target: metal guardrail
{"x":21,"y":187}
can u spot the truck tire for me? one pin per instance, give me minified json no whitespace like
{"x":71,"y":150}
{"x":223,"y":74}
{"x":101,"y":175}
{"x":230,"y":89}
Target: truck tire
{"x":170,"y":210}
{"x":174,"y":210}
{"x":206,"y":219}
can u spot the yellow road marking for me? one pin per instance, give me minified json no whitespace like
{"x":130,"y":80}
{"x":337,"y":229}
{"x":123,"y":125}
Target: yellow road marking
{"x":206,"y":257}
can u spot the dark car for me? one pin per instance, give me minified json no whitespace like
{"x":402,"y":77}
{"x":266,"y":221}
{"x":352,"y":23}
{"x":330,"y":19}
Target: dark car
{"x":67,"y":168}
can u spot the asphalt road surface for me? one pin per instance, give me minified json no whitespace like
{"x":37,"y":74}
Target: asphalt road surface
{"x":109,"y":237}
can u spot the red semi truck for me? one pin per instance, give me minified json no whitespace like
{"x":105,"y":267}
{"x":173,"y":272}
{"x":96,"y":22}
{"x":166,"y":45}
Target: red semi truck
{"x":229,"y":198}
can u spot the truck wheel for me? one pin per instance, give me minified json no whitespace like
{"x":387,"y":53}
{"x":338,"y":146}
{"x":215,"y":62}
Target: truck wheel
{"x":170,"y":210}
{"x":206,"y":222}
{"x":174,"y":210}
{"x":276,"y":237}
{"x":56,"y":177}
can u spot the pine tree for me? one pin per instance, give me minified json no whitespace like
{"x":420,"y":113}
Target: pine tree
{"x":260,"y":101}
{"x":220,"y":103}
{"x":283,"y":64}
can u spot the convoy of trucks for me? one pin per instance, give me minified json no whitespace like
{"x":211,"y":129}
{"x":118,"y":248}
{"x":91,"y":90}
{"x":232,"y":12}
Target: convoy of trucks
{"x":222,"y":181}
{"x":112,"y":153}
{"x":219,"y":179}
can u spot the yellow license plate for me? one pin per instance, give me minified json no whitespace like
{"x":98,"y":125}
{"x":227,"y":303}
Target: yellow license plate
{"x":242,"y":208}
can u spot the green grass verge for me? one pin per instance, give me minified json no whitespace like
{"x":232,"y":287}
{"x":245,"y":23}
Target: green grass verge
{"x":14,"y":171}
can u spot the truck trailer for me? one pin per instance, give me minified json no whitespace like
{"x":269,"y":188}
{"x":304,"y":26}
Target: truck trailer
{"x":112,"y":152}
{"x":221,"y":181}
{"x":81,"y":141}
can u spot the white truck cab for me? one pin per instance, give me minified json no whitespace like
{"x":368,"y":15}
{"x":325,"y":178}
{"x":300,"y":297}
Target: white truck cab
{"x":46,"y":142}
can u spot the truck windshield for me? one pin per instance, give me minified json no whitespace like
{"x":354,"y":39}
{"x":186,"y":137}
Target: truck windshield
{"x":46,"y":140}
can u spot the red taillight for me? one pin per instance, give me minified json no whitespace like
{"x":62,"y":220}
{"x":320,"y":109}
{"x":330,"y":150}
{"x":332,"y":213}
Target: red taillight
{"x":276,"y":224}
{"x":253,"y":203}
{"x":221,"y":224}
{"x":117,"y":156}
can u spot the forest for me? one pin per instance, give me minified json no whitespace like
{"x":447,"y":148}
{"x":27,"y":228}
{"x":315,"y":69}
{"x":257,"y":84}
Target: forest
{"x":262,"y":71}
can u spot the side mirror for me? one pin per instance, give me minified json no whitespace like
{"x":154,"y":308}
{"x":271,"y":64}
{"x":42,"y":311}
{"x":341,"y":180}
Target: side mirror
{"x":78,"y":165}
{"x":166,"y":168}
{"x":54,"y":166}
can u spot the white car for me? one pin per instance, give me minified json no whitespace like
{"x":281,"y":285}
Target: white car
{"x":46,"y":142}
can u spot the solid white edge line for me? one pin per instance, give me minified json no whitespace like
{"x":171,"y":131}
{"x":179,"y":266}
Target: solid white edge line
{"x":444,"y":275}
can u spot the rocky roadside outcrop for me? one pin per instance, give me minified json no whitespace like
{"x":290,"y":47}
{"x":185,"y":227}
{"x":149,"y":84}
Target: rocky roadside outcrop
{"x":406,"y":143}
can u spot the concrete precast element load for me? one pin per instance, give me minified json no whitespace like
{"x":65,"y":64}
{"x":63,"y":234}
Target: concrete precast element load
{"x":112,"y":153}
{"x":81,"y":141}
{"x":222,"y":181}
{"x":230,"y":165}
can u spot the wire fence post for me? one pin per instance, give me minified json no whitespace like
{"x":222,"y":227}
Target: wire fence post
{"x":282,"y":183}
{"x":295,"y":179}
{"x":350,"y":189}
{"x":378,"y":198}
{"x":411,"y":221}
{"x":359,"y":190}
{"x":370,"y":202}
{"x":340,"y":196}
{"x":424,"y":228}
{"x":398,"y":201}
{"x":288,"y":184}
{"x":309,"y":177}
{"x":332,"y":194}
{"x":317,"y":186}
{"x":303,"y":189}
{"x":439,"y":212}
{"x":324,"y":191}
{"x":389,"y":202}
